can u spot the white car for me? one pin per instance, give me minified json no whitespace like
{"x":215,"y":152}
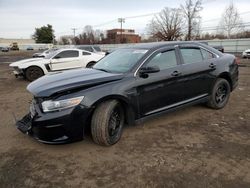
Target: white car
{"x":59,"y":60}
{"x":91,"y":48}
{"x":246,"y":53}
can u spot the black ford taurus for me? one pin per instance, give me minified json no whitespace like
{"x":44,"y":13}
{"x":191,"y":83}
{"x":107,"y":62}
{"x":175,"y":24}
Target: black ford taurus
{"x":125,"y":87}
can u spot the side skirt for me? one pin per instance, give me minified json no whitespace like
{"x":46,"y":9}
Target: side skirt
{"x":168,"y":110}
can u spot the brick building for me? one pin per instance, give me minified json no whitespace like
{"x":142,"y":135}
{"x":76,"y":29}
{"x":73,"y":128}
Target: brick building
{"x":115,"y":36}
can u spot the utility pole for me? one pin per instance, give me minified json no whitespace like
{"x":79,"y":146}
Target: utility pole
{"x":74,"y":31}
{"x":121,"y":20}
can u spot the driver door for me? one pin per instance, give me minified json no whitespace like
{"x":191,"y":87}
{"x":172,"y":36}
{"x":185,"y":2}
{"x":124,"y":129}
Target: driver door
{"x":158,"y":91}
{"x":68,"y":59}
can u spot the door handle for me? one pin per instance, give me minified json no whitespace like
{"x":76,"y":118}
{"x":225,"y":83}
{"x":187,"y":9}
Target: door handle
{"x":176,"y":73}
{"x":212,"y":66}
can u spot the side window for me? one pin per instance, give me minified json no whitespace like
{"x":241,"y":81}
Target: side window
{"x":164,"y":60}
{"x":191,"y":55}
{"x":86,"y":53}
{"x":88,"y":48}
{"x":206,"y":54}
{"x":68,"y":54}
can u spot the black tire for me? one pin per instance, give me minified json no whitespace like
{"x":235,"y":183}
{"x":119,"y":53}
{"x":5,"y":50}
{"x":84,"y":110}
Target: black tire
{"x":107,"y":123}
{"x":90,"y":64}
{"x":220,"y":94}
{"x":33,"y":73}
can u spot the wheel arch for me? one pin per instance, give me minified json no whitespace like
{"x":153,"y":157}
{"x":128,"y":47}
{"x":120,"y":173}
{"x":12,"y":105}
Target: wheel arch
{"x":129,"y":111}
{"x":25,"y":68}
{"x":94,"y":62}
{"x":226,"y":76}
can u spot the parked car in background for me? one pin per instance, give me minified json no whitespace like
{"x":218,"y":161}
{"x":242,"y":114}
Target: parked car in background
{"x":220,"y":48}
{"x":246,"y":54}
{"x":59,"y":60}
{"x":91,"y":48}
{"x":5,"y":49}
{"x":42,"y":48}
{"x":29,"y":48}
{"x":45,"y":53}
{"x":127,"y":86}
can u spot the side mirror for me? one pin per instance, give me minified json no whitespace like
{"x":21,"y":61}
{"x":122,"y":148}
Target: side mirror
{"x":148,"y":70}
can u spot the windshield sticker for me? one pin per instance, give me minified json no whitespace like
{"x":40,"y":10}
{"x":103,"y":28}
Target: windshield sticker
{"x":139,"y":51}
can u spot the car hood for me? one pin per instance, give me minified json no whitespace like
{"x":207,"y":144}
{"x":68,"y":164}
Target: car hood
{"x":72,"y":79}
{"x":25,"y":61}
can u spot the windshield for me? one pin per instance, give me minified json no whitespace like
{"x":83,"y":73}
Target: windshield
{"x":50,"y":50}
{"x":120,"y":61}
{"x":97,"y":48}
{"x":51,"y":54}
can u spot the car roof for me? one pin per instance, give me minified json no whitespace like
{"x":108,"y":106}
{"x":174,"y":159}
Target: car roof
{"x":65,"y":49}
{"x":154,"y":45}
{"x":157,"y":45}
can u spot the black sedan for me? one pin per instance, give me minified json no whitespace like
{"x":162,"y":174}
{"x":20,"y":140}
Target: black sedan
{"x":127,"y":86}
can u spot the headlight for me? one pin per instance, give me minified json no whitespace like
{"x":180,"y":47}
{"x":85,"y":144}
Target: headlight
{"x":50,"y":106}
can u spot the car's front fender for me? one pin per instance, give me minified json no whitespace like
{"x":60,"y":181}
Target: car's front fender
{"x":37,"y":64}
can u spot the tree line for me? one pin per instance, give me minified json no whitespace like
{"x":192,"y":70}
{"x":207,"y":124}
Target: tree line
{"x":182,"y":23}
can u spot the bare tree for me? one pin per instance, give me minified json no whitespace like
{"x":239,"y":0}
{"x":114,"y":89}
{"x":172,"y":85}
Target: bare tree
{"x":191,"y":10}
{"x":231,"y":22}
{"x":88,"y":29}
{"x":167,"y":25}
{"x":64,"y":40}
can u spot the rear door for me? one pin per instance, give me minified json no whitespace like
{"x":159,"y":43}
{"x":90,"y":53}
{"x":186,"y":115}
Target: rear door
{"x":67,"y":59}
{"x":197,"y":67}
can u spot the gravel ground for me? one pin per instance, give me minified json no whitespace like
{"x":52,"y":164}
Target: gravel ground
{"x":192,"y":147}
{"x":12,"y":56}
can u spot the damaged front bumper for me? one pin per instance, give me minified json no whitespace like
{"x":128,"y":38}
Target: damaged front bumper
{"x":18,"y":72}
{"x":54,"y":128}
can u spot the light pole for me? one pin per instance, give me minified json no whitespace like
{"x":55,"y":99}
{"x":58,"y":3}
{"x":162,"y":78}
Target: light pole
{"x":121,"y":20}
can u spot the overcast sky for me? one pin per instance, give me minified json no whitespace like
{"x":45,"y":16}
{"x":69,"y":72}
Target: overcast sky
{"x":18,"y":18}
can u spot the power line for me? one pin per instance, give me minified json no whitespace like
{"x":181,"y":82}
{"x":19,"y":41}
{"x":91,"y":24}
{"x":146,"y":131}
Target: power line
{"x":143,"y":15}
{"x":155,"y":13}
{"x":246,"y":24}
{"x":220,"y":18}
{"x":105,"y":23}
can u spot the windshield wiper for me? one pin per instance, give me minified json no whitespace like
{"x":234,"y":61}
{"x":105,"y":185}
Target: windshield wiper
{"x":104,"y":70}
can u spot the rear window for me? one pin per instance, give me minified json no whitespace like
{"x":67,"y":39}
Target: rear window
{"x":206,"y":54}
{"x":191,"y":55}
{"x":86,"y":53}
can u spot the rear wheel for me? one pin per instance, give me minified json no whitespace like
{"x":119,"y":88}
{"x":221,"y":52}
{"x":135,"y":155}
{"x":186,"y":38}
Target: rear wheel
{"x":107,"y":123}
{"x":33,"y":73}
{"x":220,"y":94}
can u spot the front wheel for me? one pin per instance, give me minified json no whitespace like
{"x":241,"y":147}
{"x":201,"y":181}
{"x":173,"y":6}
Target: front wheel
{"x":90,"y":64}
{"x":107,"y":123}
{"x":33,"y":73}
{"x":220,"y":94}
